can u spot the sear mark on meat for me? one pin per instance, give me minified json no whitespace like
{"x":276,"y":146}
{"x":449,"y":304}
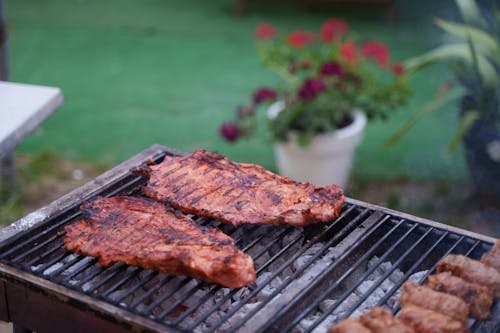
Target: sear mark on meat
{"x":141,"y":232}
{"x":238,"y":193}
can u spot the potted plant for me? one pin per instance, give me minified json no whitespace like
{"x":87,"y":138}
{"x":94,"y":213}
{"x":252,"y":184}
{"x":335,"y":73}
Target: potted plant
{"x":474,"y":60}
{"x":331,"y":85}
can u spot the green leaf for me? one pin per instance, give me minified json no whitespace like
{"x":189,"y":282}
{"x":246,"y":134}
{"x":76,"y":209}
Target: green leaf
{"x":483,"y":41}
{"x":470,"y":12}
{"x":468,"y":119}
{"x":452,"y":52}
{"x":432,"y":106}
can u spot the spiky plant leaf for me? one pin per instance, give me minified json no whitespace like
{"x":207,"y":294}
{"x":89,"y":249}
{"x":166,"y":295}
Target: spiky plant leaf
{"x":468,"y":119}
{"x":452,"y":52}
{"x":483,"y":42}
{"x":470,"y":12}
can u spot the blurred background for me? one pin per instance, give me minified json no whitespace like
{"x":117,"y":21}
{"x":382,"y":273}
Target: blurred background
{"x":134,"y":73}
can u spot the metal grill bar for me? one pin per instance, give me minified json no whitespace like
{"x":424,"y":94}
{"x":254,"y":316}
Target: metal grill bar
{"x":122,"y":281}
{"x":363,"y":258}
{"x":212,"y":292}
{"x":199,"y":285}
{"x":410,"y":271}
{"x":300,"y":296}
{"x":163,"y":282}
{"x":151,"y":275}
{"x":336,"y":238}
{"x":254,"y":292}
{"x":362,"y":278}
{"x":384,"y":276}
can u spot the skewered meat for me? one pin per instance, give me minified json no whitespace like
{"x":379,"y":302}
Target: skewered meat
{"x":379,"y":320}
{"x":492,"y":257}
{"x":478,"y":298}
{"x":427,"y":298}
{"x":349,"y":325}
{"x":428,"y":321}
{"x":471,"y":270}
{"x":142,"y":232}
{"x":211,"y":185}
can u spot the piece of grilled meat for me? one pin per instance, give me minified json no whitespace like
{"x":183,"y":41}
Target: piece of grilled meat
{"x":349,"y":325}
{"x":492,"y":257}
{"x":209,"y":184}
{"x":427,"y":298}
{"x":428,"y":321}
{"x":142,"y":232}
{"x":472,"y":271}
{"x":478,"y":298}
{"x":379,"y":320}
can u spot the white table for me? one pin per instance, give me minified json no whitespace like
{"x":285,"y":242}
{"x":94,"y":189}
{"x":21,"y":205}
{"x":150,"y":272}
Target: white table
{"x":23,"y":107}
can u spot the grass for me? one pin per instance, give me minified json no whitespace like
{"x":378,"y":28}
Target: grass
{"x":42,"y":178}
{"x":135,"y":73}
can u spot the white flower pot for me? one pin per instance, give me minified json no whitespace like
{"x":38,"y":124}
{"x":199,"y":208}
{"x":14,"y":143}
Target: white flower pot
{"x":326,"y":160}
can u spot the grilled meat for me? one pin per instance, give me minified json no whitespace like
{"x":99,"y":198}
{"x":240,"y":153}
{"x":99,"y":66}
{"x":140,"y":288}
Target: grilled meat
{"x":478,"y":298}
{"x":211,"y":185}
{"x":428,"y":321}
{"x":427,"y":298}
{"x":379,"y":320}
{"x":142,"y":232}
{"x":492,"y":257}
{"x":471,"y":270}
{"x":349,"y":325}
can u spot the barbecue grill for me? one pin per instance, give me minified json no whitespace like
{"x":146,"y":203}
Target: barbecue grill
{"x":308,"y":278}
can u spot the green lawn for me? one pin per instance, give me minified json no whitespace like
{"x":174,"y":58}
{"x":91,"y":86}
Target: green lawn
{"x":135,"y":73}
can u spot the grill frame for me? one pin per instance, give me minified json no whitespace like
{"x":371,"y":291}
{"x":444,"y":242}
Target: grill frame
{"x":83,"y":310}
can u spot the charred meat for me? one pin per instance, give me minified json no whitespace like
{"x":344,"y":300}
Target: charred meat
{"x":478,"y":298}
{"x":209,"y":184}
{"x":492,"y":257}
{"x":428,"y":321}
{"x":427,"y":298}
{"x":472,"y":271}
{"x":379,"y":320}
{"x":144,"y":233}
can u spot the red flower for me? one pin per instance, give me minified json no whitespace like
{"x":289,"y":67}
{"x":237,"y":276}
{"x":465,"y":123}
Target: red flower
{"x":333,"y":29}
{"x":229,"y":131}
{"x":331,"y":68}
{"x":348,"y":52}
{"x":266,"y":31}
{"x":264,"y":94}
{"x":398,"y":68}
{"x":311,"y":88}
{"x":376,"y":51}
{"x":300,"y":39}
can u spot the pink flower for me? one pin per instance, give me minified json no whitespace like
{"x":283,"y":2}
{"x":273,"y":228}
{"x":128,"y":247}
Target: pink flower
{"x":398,"y":68}
{"x":376,"y":51}
{"x":348,"y":52}
{"x":311,"y":88}
{"x":266,"y":31}
{"x":331,"y":68}
{"x":333,"y":29}
{"x":299,"y":39}
{"x":264,"y":94}
{"x":229,"y":131}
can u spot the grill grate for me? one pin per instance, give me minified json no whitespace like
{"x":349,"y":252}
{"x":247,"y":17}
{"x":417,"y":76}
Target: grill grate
{"x":307,"y":279}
